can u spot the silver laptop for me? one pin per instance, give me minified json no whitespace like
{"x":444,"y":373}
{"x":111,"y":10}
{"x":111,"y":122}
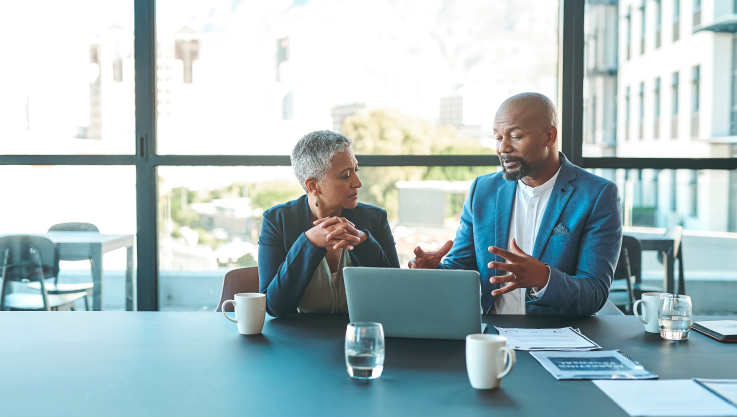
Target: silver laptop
{"x":421,"y":303}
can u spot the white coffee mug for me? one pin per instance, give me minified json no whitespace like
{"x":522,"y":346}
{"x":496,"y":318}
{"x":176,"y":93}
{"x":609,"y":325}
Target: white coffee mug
{"x":250,"y":311}
{"x":486,"y":357}
{"x":650,"y":302}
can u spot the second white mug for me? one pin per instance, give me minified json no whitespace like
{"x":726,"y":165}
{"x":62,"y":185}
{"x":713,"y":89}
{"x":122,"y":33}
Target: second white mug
{"x":488,"y":360}
{"x":250,"y":312}
{"x":650,"y":302}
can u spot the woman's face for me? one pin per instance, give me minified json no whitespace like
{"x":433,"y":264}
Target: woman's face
{"x":340,"y":187}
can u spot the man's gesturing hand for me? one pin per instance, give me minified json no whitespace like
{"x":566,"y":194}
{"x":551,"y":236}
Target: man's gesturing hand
{"x":524,"y":270}
{"x":430,"y":260}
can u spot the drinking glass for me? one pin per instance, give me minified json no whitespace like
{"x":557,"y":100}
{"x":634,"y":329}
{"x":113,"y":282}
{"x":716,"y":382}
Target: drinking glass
{"x":364,"y":350}
{"x":674,"y":316}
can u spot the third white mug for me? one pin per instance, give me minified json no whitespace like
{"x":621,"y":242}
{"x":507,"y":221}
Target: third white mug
{"x":650,"y":302}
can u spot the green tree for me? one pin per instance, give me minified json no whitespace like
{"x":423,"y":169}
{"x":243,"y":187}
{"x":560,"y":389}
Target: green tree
{"x":266,"y":195}
{"x":389,"y":132}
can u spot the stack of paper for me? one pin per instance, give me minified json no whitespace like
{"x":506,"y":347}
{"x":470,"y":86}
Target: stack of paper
{"x":672,"y":398}
{"x":565,"y":339}
{"x":725,"y":389}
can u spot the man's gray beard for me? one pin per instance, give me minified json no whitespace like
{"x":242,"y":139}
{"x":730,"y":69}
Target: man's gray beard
{"x":525,"y":169}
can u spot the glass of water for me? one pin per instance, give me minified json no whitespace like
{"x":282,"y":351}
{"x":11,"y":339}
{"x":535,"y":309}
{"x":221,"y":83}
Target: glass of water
{"x":364,"y":350}
{"x":674,"y":316}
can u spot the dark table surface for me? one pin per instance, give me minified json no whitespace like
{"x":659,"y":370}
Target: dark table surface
{"x":196,"y":364}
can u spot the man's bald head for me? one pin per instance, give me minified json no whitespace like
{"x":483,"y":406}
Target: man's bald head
{"x":537,"y":107}
{"x":526,"y":132}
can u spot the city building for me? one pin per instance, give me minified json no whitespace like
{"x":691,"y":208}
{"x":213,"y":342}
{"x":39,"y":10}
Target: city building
{"x":600,"y":84}
{"x":452,"y":112}
{"x":112,"y":87}
{"x":341,"y":112}
{"x":660,"y":81}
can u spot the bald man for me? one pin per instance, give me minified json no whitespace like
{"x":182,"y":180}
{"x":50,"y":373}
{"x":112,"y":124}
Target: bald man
{"x":544,"y":234}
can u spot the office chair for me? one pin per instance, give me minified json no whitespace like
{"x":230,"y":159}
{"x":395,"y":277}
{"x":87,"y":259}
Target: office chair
{"x":85,"y":288}
{"x":26,"y":259}
{"x":238,"y":281}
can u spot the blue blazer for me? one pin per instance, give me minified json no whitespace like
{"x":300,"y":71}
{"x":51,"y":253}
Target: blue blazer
{"x":287,"y":259}
{"x":579,"y":239}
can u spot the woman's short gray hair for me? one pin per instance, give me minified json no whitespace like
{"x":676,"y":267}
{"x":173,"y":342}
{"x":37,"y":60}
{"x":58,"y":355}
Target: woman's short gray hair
{"x":313,"y":153}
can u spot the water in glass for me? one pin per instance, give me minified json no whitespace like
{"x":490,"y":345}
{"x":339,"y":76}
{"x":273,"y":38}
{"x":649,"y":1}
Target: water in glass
{"x":364,"y":363}
{"x":674,"y":316}
{"x":364,"y":350}
{"x":675,"y":328}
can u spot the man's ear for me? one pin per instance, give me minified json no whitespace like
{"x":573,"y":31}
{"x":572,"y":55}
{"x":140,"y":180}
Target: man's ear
{"x":551,"y":136}
{"x":311,"y":185}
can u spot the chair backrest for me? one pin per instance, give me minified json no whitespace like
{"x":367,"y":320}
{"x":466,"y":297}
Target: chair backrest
{"x":238,"y":281}
{"x":74,"y":227}
{"x":675,"y":233}
{"x":630,"y":260}
{"x":26,"y":259}
{"x":23,"y":255}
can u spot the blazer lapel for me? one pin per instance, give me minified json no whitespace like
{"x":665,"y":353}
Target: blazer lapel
{"x":304,"y":219}
{"x":504,"y":204}
{"x":562,"y":191}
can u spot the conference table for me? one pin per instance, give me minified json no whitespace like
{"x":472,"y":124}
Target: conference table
{"x":197,"y":364}
{"x":93,"y":245}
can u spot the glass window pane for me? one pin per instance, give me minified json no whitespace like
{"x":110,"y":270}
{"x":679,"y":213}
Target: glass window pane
{"x":691,"y":79}
{"x":209,"y":223}
{"x":219,"y":226}
{"x":38,"y":197}
{"x":704,"y":202}
{"x":253,"y":77}
{"x":67,"y":85}
{"x":211,"y":218}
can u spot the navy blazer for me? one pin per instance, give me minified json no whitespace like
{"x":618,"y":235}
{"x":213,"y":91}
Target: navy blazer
{"x":287,"y":259}
{"x":579,"y":239}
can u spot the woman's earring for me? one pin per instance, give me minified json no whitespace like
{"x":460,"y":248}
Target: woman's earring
{"x":317,"y":201}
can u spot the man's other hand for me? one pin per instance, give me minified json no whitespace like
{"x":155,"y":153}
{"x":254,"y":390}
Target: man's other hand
{"x":524,"y":270}
{"x":430,"y":260}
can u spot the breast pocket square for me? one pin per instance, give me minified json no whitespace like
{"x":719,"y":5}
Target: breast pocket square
{"x":560,"y":230}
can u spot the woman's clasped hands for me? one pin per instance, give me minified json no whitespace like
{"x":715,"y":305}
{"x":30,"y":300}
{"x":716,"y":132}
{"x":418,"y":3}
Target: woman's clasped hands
{"x":337,"y":232}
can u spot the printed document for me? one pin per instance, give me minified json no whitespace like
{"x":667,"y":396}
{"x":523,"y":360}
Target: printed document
{"x":672,"y":398}
{"x":565,"y":339}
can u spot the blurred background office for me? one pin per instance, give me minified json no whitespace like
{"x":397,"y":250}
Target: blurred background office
{"x":188,"y":160}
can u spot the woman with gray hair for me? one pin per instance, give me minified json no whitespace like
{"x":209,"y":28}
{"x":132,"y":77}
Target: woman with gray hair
{"x":305,"y":243}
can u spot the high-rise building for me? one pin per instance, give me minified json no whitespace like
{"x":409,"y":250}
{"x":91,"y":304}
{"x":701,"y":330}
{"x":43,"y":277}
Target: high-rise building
{"x":451,"y":110}
{"x":341,"y":112}
{"x":186,"y":49}
{"x":112,"y":108}
{"x":600,"y":85}
{"x":282,"y":76}
{"x":282,"y":55}
{"x":175,"y":63}
{"x":111,"y":90}
{"x":676,"y":95}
